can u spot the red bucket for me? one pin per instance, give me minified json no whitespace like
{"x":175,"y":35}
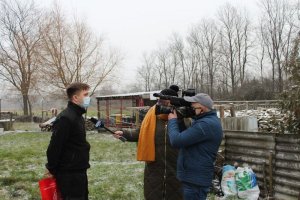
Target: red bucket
{"x":49,"y":190}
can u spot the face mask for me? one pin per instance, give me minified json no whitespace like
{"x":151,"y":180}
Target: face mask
{"x":86,"y":102}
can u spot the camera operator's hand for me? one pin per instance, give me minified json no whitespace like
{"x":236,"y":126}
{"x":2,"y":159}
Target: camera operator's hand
{"x":172,"y":115}
{"x":118,"y":134}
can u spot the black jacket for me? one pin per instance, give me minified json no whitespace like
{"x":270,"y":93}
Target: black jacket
{"x":68,"y":149}
{"x":160,"y":180}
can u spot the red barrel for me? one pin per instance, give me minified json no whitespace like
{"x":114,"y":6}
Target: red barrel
{"x":49,"y":189}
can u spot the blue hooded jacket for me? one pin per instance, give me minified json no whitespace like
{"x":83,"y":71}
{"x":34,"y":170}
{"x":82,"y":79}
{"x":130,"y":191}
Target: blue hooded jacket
{"x":198,"y":146}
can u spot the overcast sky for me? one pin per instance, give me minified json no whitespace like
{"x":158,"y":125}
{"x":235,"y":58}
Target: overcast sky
{"x":137,"y":26}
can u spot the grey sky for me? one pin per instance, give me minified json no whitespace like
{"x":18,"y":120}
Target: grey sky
{"x":137,"y":26}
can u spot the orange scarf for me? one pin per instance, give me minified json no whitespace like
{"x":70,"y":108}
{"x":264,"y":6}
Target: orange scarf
{"x":146,"y":144}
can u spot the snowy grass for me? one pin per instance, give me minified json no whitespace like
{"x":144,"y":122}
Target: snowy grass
{"x":114,"y":172}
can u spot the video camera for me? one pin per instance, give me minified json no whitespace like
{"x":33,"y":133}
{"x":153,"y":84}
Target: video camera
{"x":182,"y":107}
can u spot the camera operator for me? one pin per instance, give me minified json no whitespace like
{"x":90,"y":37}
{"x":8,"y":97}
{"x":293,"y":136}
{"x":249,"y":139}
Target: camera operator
{"x":154,"y":148}
{"x":198,"y":146}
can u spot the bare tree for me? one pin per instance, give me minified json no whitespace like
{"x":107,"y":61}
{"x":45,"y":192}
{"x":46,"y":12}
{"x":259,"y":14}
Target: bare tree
{"x":19,"y":42}
{"x":278,"y":30}
{"x":235,"y":43}
{"x":175,"y":62}
{"x":220,"y":54}
{"x":178,"y":46}
{"x":163,"y":66}
{"x":205,"y":38}
{"x":227,"y":16}
{"x":192,"y":65}
{"x":260,"y":52}
{"x":146,"y":72}
{"x":72,"y":53}
{"x":242,"y":26}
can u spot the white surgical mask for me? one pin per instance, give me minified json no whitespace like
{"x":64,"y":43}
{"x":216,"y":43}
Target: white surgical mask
{"x":86,"y":102}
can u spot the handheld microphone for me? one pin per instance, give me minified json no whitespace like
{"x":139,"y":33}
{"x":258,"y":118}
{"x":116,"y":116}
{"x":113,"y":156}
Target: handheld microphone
{"x":100,"y":124}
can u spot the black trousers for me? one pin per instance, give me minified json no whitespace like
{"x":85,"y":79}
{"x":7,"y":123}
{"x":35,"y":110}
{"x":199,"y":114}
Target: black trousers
{"x":73,"y":185}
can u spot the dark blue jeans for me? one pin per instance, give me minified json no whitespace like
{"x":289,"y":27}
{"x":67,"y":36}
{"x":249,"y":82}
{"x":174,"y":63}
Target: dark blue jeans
{"x":194,"y":192}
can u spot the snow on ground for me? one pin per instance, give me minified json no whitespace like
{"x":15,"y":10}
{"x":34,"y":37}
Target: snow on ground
{"x":269,"y":119}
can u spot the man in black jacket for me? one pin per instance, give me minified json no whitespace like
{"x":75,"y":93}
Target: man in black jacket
{"x":68,"y":151}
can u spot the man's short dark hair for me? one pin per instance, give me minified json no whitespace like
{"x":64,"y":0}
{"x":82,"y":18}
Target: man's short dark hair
{"x":73,"y":88}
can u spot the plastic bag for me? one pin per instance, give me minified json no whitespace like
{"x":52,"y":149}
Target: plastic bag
{"x":246,"y":183}
{"x":228,"y":181}
{"x":49,"y":190}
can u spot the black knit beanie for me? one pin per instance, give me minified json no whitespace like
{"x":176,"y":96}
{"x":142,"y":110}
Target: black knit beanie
{"x":171,"y":91}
